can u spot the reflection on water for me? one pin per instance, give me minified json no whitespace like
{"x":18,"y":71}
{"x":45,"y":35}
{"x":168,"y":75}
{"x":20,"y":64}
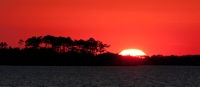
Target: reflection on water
{"x":111,"y":76}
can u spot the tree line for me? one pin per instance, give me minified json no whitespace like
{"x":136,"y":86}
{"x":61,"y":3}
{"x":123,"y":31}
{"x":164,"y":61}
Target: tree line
{"x":52,"y":50}
{"x":62,"y":44}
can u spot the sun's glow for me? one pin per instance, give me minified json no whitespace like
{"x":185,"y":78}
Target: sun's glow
{"x":132,"y":52}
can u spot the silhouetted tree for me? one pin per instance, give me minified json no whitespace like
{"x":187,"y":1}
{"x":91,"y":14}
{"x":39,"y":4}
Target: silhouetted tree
{"x":3,"y":45}
{"x":68,"y":44}
{"x":78,"y":45}
{"x":91,"y":45}
{"x":95,"y":46}
{"x":102,"y":47}
{"x":33,"y":42}
{"x":60,"y":44}
{"x":48,"y":40}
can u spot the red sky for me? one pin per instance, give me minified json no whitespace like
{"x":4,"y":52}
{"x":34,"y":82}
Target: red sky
{"x":155,"y":26}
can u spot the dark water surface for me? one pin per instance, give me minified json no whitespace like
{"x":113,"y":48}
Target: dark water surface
{"x":100,"y":76}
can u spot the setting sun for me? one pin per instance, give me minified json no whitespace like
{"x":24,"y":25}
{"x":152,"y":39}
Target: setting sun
{"x":132,"y":52}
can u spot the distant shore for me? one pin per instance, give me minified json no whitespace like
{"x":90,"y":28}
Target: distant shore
{"x":63,"y":51}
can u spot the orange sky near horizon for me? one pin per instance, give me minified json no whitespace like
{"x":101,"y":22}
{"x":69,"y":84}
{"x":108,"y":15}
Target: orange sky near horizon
{"x":155,"y":26}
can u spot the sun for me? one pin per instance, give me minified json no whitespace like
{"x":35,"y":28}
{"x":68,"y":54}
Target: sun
{"x":132,"y":52}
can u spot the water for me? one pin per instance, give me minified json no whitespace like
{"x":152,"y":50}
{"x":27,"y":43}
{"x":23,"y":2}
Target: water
{"x":100,"y":76}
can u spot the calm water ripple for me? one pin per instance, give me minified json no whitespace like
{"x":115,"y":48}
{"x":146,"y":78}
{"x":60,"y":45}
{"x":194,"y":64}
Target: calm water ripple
{"x":100,"y":76}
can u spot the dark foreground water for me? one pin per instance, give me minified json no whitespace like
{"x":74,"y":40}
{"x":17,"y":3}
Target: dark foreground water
{"x":100,"y":76}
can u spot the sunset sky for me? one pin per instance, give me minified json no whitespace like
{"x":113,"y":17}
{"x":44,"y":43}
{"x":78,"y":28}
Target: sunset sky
{"x":155,"y":26}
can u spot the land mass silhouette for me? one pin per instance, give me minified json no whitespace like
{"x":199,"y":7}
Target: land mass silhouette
{"x":63,"y":51}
